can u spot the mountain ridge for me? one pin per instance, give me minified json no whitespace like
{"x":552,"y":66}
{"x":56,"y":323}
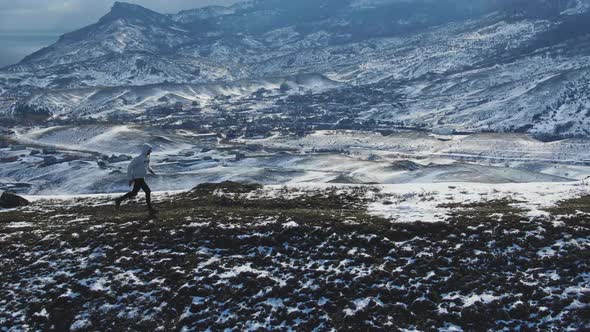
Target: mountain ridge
{"x":496,"y":46}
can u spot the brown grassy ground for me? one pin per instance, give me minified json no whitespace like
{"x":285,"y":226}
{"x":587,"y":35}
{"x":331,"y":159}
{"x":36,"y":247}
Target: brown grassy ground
{"x":315,"y":261}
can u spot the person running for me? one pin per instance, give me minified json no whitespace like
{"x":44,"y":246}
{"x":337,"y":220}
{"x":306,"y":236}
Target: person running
{"x":136,"y":173}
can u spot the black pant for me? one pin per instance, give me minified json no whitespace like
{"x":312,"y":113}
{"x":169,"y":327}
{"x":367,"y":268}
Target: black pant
{"x":137,"y":185}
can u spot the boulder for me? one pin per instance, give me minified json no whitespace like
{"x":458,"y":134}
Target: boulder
{"x":117,"y":159}
{"x":10,"y":200}
{"x":51,"y":160}
{"x":239,"y":156}
{"x":228,"y":187}
{"x":102,"y":164}
{"x":49,"y":150}
{"x":9,"y":159}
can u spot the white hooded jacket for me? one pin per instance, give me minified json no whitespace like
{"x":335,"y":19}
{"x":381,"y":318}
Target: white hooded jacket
{"x":140,"y":165}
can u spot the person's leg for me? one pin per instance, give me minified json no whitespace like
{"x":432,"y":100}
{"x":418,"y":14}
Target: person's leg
{"x":148,"y":194}
{"x":132,"y":193}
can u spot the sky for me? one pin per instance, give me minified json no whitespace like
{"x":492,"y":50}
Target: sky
{"x":29,"y":25}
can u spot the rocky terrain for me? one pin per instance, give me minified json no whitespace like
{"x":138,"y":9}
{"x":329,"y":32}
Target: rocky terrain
{"x":256,"y":258}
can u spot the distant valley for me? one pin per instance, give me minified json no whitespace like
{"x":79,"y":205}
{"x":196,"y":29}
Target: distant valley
{"x":258,"y":91}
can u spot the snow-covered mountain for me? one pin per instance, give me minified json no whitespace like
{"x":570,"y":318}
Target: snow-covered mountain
{"x":99,"y":102}
{"x":126,"y":28}
{"x":473,"y":65}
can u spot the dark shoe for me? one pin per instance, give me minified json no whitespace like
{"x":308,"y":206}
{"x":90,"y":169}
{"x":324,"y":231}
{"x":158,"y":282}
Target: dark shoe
{"x":117,"y":204}
{"x":153,"y":212}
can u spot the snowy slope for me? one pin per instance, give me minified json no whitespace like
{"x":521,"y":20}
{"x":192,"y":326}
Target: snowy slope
{"x":98,"y":102}
{"x":478,"y":66}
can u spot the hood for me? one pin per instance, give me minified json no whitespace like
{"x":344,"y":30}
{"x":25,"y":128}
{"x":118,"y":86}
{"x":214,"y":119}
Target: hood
{"x":145,"y":149}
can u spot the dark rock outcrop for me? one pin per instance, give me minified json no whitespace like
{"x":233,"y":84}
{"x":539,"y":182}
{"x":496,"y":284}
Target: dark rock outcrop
{"x":49,"y":160}
{"x":10,"y":200}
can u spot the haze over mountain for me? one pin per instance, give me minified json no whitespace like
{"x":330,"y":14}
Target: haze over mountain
{"x":469,"y":65}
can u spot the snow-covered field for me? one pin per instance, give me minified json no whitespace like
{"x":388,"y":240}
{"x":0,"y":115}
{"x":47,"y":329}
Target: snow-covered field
{"x":304,"y":257}
{"x":87,"y":159}
{"x":434,"y":202}
{"x":493,"y":147}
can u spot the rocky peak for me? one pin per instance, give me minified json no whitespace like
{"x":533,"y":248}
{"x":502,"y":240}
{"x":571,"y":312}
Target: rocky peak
{"x":133,"y":12}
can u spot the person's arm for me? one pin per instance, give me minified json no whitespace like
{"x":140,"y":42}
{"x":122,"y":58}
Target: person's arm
{"x":149,"y":166}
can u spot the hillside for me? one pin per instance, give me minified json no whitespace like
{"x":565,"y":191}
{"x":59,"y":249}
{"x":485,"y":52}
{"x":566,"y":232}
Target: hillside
{"x":305,"y":258}
{"x":508,"y":66}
